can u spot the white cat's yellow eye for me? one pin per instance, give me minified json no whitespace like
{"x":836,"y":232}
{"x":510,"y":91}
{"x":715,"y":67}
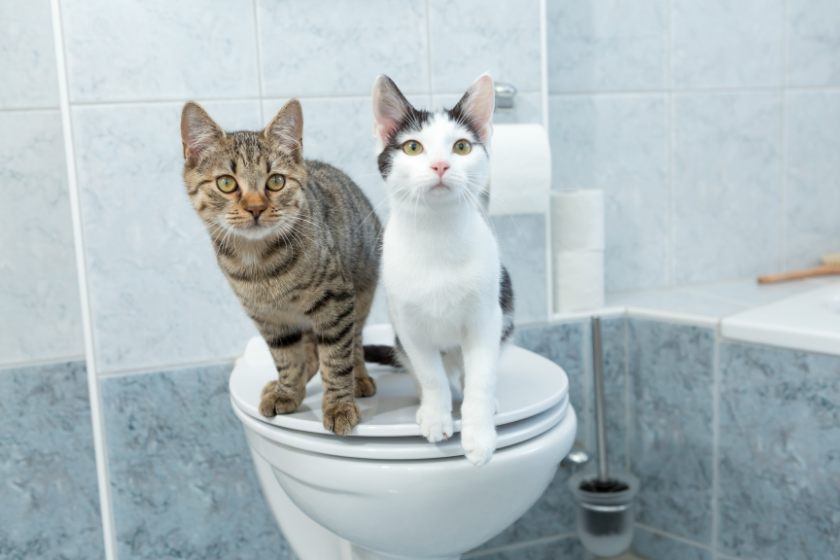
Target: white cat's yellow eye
{"x":226,"y":183}
{"x":413,"y":148}
{"x":275,"y":183}
{"x":462,"y":147}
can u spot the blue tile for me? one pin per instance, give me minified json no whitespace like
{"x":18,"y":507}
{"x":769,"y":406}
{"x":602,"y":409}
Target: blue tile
{"x":671,"y":376}
{"x":813,"y":40}
{"x":142,"y":50}
{"x":813,"y":177}
{"x":659,"y":547}
{"x":471,"y":37}
{"x":619,"y":144}
{"x":779,"y":453}
{"x":605,"y":45}
{"x":727,"y":185}
{"x":182,"y":481}
{"x":521,"y":239}
{"x":329,"y":47}
{"x":568,"y":548}
{"x":39,"y":295}
{"x":48,"y":482}
{"x":727,"y":44}
{"x":157,"y":294}
{"x":27,"y":55}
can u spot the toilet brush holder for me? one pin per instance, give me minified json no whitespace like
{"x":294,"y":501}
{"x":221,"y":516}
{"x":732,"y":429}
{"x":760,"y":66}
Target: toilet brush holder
{"x":604,"y":511}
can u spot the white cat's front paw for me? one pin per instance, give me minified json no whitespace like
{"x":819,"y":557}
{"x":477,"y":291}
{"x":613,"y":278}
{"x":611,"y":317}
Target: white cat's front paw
{"x":435,"y":423}
{"x":479,"y":442}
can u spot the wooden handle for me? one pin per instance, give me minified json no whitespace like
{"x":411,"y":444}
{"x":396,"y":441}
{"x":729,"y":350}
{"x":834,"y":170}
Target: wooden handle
{"x":798,"y":274}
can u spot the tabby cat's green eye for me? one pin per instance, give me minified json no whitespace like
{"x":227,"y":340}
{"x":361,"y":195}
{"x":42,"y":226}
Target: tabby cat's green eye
{"x":226,"y":183}
{"x":275,"y":183}
{"x":413,"y":148}
{"x":462,"y":147}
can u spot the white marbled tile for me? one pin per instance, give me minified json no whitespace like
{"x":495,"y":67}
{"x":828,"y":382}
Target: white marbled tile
{"x":727,"y":185}
{"x":619,"y":144}
{"x":471,"y":37}
{"x":141,"y":50}
{"x":157,"y":295}
{"x":521,"y":239}
{"x":812,"y":210}
{"x":527,"y":107}
{"x":40,"y":317}
{"x":720,"y":43}
{"x":750,"y":292}
{"x":607,"y":45}
{"x":334,"y":47}
{"x":676,"y":301}
{"x":27,"y":55}
{"x":813,"y":41}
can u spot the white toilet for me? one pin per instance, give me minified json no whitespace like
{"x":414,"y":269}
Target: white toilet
{"x":384,"y":492}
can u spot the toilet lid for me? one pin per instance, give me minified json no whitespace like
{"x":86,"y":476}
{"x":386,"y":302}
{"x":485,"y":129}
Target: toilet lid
{"x":527,"y":386}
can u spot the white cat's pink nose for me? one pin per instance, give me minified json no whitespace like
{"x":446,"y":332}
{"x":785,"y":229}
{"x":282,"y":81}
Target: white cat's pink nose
{"x":440,"y":167}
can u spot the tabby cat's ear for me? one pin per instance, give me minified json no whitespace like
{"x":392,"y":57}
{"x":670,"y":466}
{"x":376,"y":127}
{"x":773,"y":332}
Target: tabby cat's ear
{"x":390,"y":108}
{"x":287,"y":128}
{"x":199,"y":133}
{"x":477,"y":106}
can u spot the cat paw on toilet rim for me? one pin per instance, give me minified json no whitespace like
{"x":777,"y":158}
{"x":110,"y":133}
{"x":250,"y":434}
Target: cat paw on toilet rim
{"x":435,"y":423}
{"x":479,"y":442}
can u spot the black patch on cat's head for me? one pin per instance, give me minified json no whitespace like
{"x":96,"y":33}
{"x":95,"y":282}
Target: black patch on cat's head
{"x":414,"y":120}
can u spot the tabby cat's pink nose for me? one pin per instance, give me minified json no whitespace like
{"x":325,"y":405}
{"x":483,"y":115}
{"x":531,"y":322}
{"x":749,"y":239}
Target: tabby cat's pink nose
{"x":255,"y":210}
{"x":440,"y":167}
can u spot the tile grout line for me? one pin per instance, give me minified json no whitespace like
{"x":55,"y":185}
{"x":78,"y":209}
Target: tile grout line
{"x":628,"y":461}
{"x":715,"y":444}
{"x":670,"y":93}
{"x":30,"y":109}
{"x":690,"y":91}
{"x":673,"y":537}
{"x":44,"y":362}
{"x":783,"y":146}
{"x":257,"y":42}
{"x":168,"y":367}
{"x":97,"y":422}
{"x":549,"y":269}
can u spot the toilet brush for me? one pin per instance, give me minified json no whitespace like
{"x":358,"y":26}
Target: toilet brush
{"x":604,"y":502}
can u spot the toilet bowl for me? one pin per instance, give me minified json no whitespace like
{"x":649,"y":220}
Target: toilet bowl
{"x":384,"y":492}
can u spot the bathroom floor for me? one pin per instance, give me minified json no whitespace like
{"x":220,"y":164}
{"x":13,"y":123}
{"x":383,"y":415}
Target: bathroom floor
{"x":629,"y":555}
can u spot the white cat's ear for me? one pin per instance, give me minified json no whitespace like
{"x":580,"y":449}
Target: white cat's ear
{"x":287,"y":128}
{"x":199,"y":132}
{"x":477,"y":106}
{"x":390,"y":108}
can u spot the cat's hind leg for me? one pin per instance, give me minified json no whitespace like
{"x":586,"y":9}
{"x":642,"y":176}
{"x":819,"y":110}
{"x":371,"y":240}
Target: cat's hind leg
{"x":365,"y":384}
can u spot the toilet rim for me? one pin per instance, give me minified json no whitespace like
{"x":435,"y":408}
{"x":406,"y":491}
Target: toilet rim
{"x":404,"y":448}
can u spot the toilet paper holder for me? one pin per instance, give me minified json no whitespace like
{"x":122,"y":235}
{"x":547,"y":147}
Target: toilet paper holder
{"x":504,"y":96}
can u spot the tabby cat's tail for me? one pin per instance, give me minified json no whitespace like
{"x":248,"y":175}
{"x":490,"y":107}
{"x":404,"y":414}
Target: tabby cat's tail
{"x":384,"y":355}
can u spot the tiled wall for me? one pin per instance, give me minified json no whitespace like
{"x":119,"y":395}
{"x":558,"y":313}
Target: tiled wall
{"x":710,"y":127}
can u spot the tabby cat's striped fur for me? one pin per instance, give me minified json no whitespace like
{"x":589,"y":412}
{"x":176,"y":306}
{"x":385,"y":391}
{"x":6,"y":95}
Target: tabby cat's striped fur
{"x":303,"y":259}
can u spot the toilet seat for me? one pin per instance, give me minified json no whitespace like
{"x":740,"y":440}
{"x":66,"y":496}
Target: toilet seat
{"x":532,"y":395}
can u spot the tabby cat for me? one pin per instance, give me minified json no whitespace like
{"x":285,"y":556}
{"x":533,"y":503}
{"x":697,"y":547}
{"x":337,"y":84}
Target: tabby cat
{"x":299,"y":244}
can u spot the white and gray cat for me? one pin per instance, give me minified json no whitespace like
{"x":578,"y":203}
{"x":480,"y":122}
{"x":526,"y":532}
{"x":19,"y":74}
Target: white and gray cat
{"x":449,"y":297}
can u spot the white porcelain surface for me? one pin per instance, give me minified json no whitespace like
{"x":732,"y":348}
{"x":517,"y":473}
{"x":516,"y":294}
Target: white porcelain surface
{"x":156,"y":49}
{"x":619,"y":144}
{"x":158,"y":297}
{"x":40,"y":317}
{"x":727,"y":185}
{"x":677,"y":301}
{"x":324,"y":47}
{"x":809,"y":321}
{"x":27,"y":55}
{"x":527,"y":384}
{"x":718,"y":43}
{"x":606,"y":45}
{"x":812,"y":220}
{"x":471,"y":37}
{"x":434,"y":508}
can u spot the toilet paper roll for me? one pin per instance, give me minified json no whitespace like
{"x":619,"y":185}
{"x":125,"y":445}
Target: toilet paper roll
{"x":578,"y":281}
{"x":520,"y":169}
{"x":577,"y":220}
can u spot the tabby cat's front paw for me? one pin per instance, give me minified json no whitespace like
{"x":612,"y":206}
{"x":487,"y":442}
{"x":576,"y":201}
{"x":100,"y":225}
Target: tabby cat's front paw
{"x":365,"y":387}
{"x":479,"y":442}
{"x":435,"y":423}
{"x":340,"y":418}
{"x":273,"y":403}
